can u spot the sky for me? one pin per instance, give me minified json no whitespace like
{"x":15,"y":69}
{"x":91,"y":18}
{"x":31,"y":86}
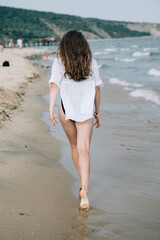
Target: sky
{"x":121,"y":10}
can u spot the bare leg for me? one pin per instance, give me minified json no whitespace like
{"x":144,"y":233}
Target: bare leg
{"x":79,"y":135}
{"x":84,"y":134}
{"x":71,"y":132}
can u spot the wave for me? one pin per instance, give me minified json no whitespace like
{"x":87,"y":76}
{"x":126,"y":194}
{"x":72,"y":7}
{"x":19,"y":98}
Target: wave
{"x":154,"y":72}
{"x":125,"y":59}
{"x":140,"y":54}
{"x":149,"y":49}
{"x":124,"y":83}
{"x":146,"y":94}
{"x":134,"y":46}
{"x":124,"y":49}
{"x":110,"y":49}
{"x":128,"y":89}
{"x":104,"y":66}
{"x":99,"y":53}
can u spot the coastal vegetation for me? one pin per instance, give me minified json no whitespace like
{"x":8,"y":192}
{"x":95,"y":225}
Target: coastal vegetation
{"x":32,"y":26}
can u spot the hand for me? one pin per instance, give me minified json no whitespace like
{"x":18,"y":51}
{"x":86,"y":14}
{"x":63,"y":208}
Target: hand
{"x":53,"y":118}
{"x":97,"y":122}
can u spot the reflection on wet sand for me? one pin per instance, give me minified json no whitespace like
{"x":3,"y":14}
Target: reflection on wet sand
{"x":80,"y":225}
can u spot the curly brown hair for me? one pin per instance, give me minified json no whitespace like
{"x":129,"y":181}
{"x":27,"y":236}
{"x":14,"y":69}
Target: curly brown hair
{"x":75,"y":54}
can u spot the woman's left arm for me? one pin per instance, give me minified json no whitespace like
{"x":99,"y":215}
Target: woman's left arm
{"x":97,"y":105}
{"x":52,"y":98}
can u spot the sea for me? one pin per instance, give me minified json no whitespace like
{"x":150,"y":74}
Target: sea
{"x":133,"y":64}
{"x":124,"y":188}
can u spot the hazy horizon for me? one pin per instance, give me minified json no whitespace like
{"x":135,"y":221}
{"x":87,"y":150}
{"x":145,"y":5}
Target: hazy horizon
{"x":117,"y":10}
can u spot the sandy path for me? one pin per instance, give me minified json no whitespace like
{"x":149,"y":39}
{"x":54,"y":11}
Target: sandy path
{"x":35,"y":197}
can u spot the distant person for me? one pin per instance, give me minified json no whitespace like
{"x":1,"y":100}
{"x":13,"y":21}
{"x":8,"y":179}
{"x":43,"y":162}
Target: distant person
{"x":1,"y":47}
{"x":20,"y":43}
{"x":11,"y":44}
{"x":76,"y":73}
{"x":45,"y":57}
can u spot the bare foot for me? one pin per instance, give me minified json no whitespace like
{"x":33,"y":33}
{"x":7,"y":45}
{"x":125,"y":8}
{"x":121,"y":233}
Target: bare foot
{"x":84,"y":204}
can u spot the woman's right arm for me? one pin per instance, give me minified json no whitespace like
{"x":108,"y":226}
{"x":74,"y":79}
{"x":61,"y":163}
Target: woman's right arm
{"x":54,"y":83}
{"x":97,"y":105}
{"x":52,"y":98}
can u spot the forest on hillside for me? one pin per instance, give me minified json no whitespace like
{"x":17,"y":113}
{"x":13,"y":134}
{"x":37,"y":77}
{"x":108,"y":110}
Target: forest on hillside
{"x":34,"y":25}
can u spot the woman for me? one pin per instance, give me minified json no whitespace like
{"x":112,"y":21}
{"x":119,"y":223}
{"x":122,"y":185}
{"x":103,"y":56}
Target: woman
{"x":76,"y":73}
{"x":11,"y":44}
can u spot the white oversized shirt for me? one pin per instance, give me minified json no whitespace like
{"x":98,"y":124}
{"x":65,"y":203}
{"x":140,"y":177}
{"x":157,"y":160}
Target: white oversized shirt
{"x":77,"y":97}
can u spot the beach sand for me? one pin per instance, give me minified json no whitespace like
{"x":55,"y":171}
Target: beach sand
{"x":14,"y":79}
{"x":36,"y":200}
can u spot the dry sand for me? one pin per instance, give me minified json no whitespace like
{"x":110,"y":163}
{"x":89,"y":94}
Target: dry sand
{"x":35,"y":196}
{"x":14,"y":79}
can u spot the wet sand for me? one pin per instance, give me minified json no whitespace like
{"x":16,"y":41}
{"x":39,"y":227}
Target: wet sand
{"x":124,"y":184}
{"x":124,"y":181}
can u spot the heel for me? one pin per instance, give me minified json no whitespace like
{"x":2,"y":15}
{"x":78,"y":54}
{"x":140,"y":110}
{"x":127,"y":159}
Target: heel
{"x":84,"y":204}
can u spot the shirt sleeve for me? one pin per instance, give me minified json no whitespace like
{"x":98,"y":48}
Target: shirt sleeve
{"x":56,"y":73}
{"x":96,"y":75}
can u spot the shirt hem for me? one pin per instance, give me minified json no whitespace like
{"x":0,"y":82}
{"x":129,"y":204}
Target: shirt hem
{"x":78,"y":120}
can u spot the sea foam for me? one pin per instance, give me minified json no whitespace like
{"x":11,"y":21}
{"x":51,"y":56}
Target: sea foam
{"x":125,"y":49}
{"x":100,"y":53}
{"x":134,"y":46}
{"x":140,"y":54}
{"x":149,"y":49}
{"x":110,"y":49}
{"x":146,"y":94}
{"x":97,"y":53}
{"x":128,"y":88}
{"x":154,"y":72}
{"x":125,"y":59}
{"x":124,"y":83}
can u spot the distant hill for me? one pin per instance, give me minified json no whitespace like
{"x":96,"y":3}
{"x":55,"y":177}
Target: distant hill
{"x":33,"y":25}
